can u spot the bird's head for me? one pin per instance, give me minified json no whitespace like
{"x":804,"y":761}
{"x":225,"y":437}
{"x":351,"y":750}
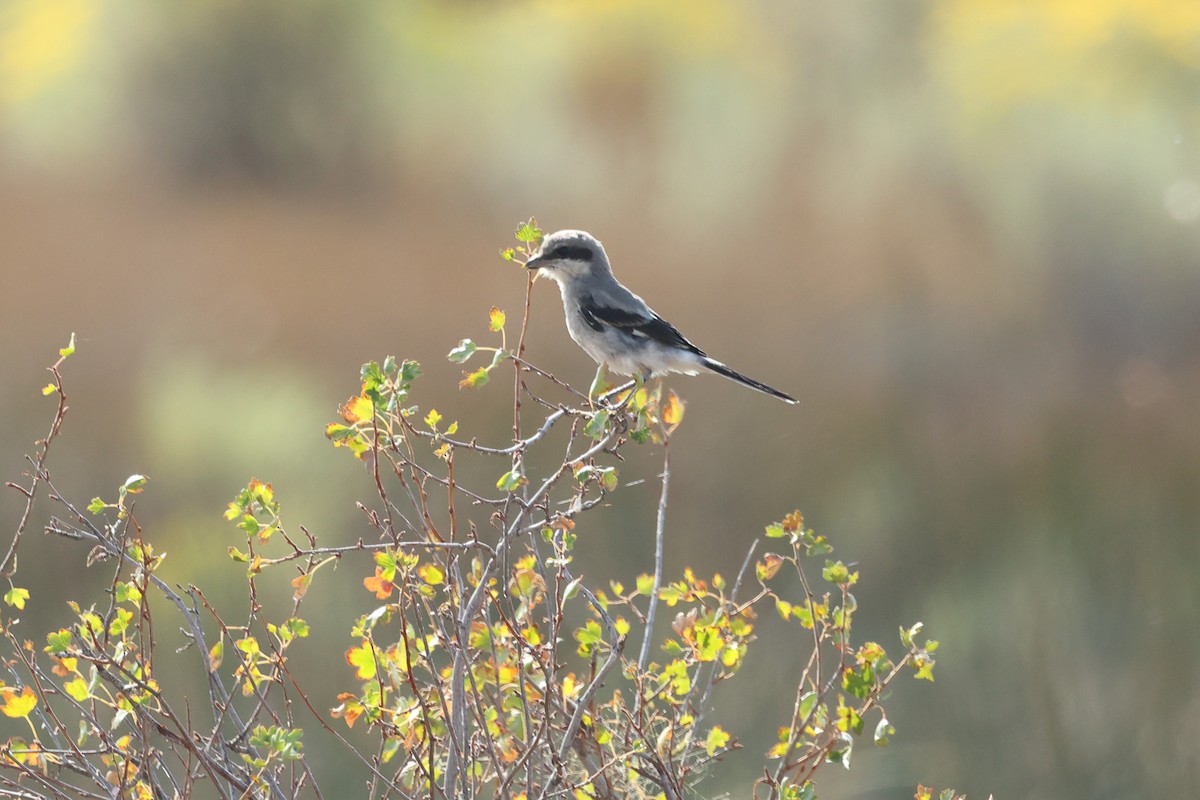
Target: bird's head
{"x":569,"y":254}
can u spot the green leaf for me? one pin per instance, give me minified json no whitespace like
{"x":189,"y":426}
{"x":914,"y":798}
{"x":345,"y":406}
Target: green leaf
{"x":528,"y":232}
{"x":508,"y":253}
{"x":474,"y":380}
{"x":859,"y":683}
{"x":58,"y":642}
{"x":496,"y":320}
{"x":70,"y":348}
{"x":645,"y":584}
{"x":128,"y":592}
{"x":510,"y":481}
{"x":409,"y":371}
{"x":717,"y":740}
{"x":596,"y":425}
{"x":49,"y":388}
{"x":433,"y":418}
{"x":16,"y":597}
{"x":908,"y":634}
{"x":134,"y":484}
{"x":461,"y":353}
{"x":372,"y":375}
{"x":588,"y":637}
{"x":882,"y":731}
{"x":836,"y":572}
{"x":120,"y":622}
{"x":841,"y":753}
{"x":807,"y":703}
{"x":776,"y":531}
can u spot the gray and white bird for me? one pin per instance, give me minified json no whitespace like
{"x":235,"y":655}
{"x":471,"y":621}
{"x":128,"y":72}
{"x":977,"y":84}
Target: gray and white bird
{"x":612,"y":324}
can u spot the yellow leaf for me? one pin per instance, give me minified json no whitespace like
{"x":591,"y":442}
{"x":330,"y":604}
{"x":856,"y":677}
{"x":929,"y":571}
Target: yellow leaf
{"x":358,"y":409}
{"x":18,"y":705}
{"x":216,"y":655}
{"x":640,"y":398}
{"x":77,"y":688}
{"x":672,"y":413}
{"x":769,"y":566}
{"x":496,"y":320}
{"x":717,"y":740}
{"x":431,"y":574}
{"x":363,"y":660}
{"x":262,"y":492}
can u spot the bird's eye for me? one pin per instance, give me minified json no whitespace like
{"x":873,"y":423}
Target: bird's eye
{"x":571,"y":253}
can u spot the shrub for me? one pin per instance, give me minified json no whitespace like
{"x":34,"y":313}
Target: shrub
{"x":492,"y":665}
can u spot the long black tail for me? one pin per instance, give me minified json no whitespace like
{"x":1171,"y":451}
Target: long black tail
{"x":734,"y":375}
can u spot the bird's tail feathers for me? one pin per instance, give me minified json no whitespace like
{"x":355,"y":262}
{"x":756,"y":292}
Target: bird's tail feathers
{"x":734,"y":375}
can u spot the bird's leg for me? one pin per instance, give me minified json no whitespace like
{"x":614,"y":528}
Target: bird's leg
{"x":598,"y":384}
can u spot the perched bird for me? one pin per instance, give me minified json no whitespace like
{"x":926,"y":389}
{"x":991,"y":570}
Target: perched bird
{"x":612,"y":324}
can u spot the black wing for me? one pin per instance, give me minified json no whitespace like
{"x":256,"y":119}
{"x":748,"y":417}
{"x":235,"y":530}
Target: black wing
{"x":649,"y":325}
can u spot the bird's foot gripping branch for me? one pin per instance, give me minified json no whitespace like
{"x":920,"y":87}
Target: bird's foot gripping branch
{"x":482,"y":658}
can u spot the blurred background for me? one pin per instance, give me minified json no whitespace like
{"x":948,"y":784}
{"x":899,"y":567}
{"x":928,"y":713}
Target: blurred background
{"x":966,"y":234}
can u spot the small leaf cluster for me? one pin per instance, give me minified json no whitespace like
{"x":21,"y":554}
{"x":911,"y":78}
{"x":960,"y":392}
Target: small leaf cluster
{"x":528,"y":236}
{"x":385,"y":389}
{"x":825,"y":723}
{"x":643,"y":414}
{"x":134,"y":484}
{"x":466,"y":348}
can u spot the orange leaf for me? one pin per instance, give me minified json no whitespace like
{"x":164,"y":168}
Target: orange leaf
{"x":357,"y":409}
{"x":380,"y":585}
{"x":300,"y":585}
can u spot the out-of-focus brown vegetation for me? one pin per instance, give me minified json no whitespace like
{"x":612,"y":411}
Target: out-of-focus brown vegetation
{"x":965,"y":235}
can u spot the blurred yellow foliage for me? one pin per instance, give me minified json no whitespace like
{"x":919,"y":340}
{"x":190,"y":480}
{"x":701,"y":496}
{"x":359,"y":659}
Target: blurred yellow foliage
{"x":998,"y":55}
{"x":679,"y":27}
{"x":41,"y":40}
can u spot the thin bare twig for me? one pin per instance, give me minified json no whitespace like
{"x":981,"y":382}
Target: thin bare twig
{"x":659,"y":545}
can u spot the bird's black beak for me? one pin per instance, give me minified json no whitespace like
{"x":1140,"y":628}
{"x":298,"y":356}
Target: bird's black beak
{"x":537,"y":262}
